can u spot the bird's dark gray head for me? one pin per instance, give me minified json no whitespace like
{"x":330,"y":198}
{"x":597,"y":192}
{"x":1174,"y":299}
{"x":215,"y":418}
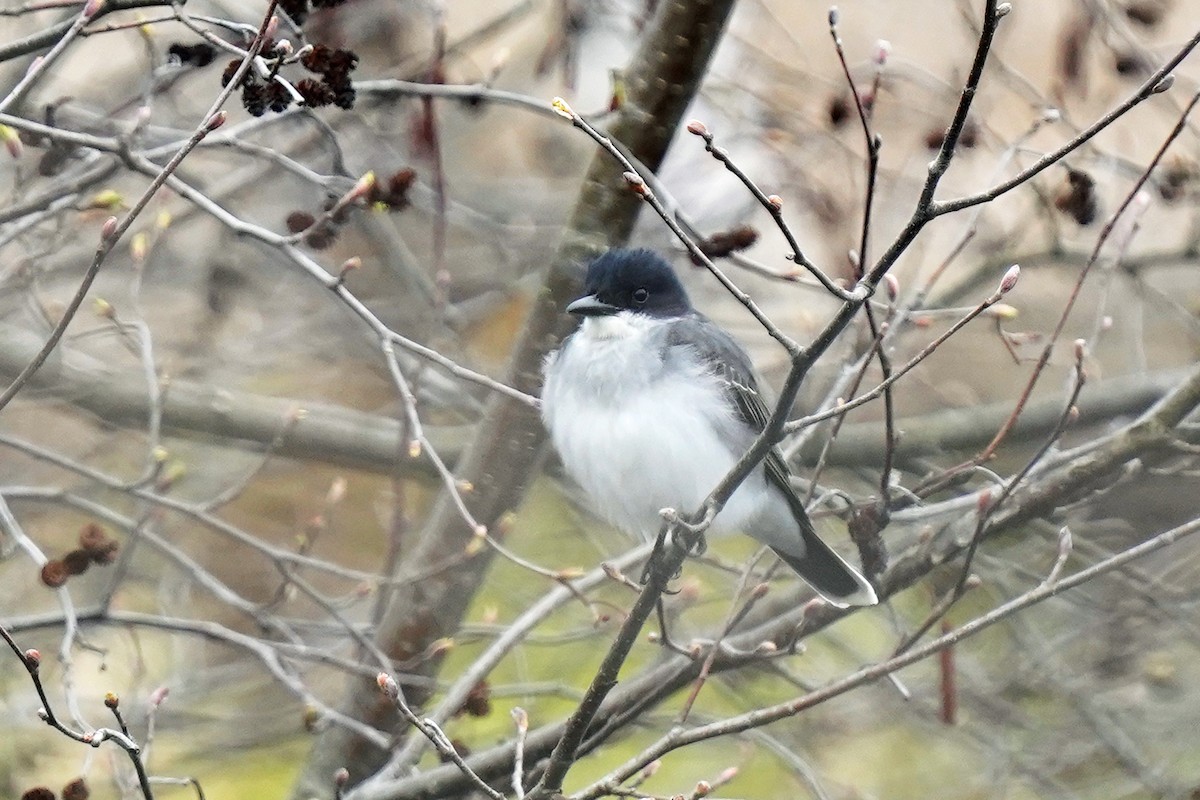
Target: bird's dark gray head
{"x":631,"y":280}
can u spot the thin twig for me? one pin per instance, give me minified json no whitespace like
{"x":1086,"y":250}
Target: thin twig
{"x":113,"y":230}
{"x":763,"y":716}
{"x":445,"y":747}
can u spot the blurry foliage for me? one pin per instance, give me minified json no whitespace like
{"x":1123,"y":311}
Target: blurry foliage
{"x":1085,"y":697}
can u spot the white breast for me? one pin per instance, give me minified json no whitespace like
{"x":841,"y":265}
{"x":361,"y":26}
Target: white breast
{"x":638,"y":430}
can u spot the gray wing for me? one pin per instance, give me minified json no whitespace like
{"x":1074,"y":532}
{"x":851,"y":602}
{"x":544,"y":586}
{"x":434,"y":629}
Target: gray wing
{"x":816,"y":562}
{"x":732,"y":366}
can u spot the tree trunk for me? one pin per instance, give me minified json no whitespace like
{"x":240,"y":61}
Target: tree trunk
{"x":509,"y":446}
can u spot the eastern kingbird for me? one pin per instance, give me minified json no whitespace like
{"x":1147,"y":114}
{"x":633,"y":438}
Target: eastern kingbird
{"x":650,"y":405}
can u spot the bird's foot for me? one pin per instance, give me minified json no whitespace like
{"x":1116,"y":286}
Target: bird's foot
{"x":680,"y":533}
{"x":687,"y":535}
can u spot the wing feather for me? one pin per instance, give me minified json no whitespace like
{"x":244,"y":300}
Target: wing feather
{"x":732,"y":366}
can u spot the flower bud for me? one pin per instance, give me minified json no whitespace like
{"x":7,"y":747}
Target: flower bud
{"x":12,"y":141}
{"x":883,"y":49}
{"x":562,"y":109}
{"x":362,"y":187}
{"x":387,"y":684}
{"x":139,"y":247}
{"x":892,"y":284}
{"x":108,"y":198}
{"x":1003,"y":311}
{"x":1010,"y":279}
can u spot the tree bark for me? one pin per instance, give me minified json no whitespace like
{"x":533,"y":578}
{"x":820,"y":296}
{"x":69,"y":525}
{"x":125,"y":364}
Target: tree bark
{"x":510,"y":444}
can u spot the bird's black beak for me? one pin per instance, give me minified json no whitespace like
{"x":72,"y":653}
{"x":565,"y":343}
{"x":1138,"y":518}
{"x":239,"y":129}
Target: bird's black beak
{"x":591,"y":306}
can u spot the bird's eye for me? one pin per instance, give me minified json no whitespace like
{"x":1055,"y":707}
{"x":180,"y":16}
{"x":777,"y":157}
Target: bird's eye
{"x":640,"y":296}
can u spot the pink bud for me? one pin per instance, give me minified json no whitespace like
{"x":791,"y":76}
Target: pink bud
{"x":702,"y":789}
{"x":813,"y":606}
{"x":91,"y":8}
{"x":109,"y":229}
{"x":883,"y":49}
{"x":362,"y":187}
{"x":892,"y":284}
{"x":33,"y":658}
{"x":776,"y":202}
{"x":1010,"y":278}
{"x":216,"y":120}
{"x":697,"y":128}
{"x":387,"y":684}
{"x":341,"y":777}
{"x":159,"y":696}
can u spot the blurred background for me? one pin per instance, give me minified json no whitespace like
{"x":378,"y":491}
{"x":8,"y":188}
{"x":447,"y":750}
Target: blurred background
{"x":242,"y":565}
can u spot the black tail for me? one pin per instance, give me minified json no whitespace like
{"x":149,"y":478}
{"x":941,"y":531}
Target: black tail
{"x":828,"y":573}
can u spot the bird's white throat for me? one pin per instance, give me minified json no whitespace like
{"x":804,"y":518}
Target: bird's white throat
{"x":623,"y":325}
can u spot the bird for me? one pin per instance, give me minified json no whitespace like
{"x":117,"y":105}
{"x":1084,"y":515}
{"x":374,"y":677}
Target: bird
{"x":649,"y":404}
